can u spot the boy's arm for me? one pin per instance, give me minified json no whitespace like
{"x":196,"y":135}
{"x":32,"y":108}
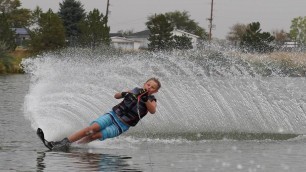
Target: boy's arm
{"x":119,"y":94}
{"x":151,"y":106}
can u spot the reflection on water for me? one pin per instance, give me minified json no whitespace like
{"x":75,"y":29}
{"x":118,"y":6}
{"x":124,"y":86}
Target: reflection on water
{"x":83,"y":161}
{"x":40,"y":161}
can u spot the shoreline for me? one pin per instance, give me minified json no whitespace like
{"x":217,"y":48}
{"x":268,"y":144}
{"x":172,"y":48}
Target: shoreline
{"x":13,"y":60}
{"x":287,"y":60}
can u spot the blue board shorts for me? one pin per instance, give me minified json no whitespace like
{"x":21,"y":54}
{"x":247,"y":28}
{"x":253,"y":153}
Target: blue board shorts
{"x":110,"y":125}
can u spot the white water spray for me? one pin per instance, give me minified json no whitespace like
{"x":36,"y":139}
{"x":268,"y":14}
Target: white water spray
{"x":202,"y":92}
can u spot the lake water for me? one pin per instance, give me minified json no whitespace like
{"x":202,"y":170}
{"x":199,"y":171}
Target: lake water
{"x":203,"y":123}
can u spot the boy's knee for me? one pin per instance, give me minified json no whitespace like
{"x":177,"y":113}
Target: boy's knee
{"x":88,"y":132}
{"x":96,"y":136}
{"x":95,"y":127}
{"x":92,"y":129}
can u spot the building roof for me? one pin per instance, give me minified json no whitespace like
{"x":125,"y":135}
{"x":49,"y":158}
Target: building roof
{"x":122,"y":39}
{"x":186,"y":33}
{"x":20,"y":31}
{"x":115,"y":35}
{"x":146,"y":33}
{"x":141,"y":34}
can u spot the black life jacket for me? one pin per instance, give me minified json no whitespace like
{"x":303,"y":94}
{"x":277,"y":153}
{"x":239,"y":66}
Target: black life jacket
{"x":127,"y":109}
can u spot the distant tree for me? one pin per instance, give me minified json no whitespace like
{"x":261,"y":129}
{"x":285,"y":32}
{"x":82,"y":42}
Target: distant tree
{"x":298,"y":30}
{"x":94,"y":29}
{"x":236,"y":33}
{"x":3,"y":48}
{"x":182,"y":21}
{"x":35,"y":16}
{"x":6,"y":61}
{"x":256,"y":41}
{"x":17,"y":17}
{"x":182,"y":42}
{"x":20,"y":18}
{"x":7,"y":35}
{"x":50,"y":33}
{"x":71,"y":12}
{"x":125,"y":32}
{"x":160,"y":33}
{"x":7,"y":6}
{"x":280,"y":37}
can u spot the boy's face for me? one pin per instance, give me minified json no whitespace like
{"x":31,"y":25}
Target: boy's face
{"x":151,"y":87}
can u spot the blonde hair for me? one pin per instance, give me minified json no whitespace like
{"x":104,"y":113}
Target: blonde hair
{"x":156,"y":81}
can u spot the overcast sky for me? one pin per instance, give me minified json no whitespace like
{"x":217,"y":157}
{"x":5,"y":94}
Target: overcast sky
{"x":132,"y":14}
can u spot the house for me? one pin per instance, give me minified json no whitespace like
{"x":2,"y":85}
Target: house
{"x":142,"y":37}
{"x":124,"y":43}
{"x":141,"y":41}
{"x":194,"y":38}
{"x":290,"y":46}
{"x":21,"y":36}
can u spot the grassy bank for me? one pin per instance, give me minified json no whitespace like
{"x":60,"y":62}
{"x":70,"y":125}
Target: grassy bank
{"x":10,"y":63}
{"x":291,"y":64}
{"x":280,"y":63}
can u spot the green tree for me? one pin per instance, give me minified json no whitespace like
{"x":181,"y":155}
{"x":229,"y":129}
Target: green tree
{"x":7,"y":35}
{"x":6,"y":61}
{"x":7,"y":6}
{"x":20,"y":18}
{"x":50,"y":33}
{"x":72,"y":12}
{"x":236,"y":33}
{"x":256,"y":41}
{"x":160,"y":33}
{"x":182,"y":21}
{"x":126,"y":32}
{"x":94,"y":29}
{"x":182,"y":42}
{"x":280,"y":37}
{"x":17,"y":17}
{"x":35,"y":16}
{"x":298,"y":30}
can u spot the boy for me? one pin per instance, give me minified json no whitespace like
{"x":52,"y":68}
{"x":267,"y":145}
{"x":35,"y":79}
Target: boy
{"x":135,"y":105}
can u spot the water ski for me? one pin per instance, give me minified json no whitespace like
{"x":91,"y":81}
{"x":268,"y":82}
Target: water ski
{"x":41,"y":135}
{"x":62,"y":145}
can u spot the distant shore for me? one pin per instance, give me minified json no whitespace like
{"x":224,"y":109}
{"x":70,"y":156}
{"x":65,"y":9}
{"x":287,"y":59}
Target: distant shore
{"x":12,"y":63}
{"x":287,"y":60}
{"x":292,"y":64}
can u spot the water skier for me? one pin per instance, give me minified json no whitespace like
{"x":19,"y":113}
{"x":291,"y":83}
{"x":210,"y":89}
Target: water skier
{"x":135,"y":105}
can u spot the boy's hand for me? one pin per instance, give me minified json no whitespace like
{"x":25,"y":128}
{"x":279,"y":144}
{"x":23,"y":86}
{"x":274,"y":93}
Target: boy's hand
{"x":141,"y":91}
{"x":145,"y":97}
{"x":123,"y":94}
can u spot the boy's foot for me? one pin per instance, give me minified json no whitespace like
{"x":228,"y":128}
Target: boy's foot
{"x":60,"y":145}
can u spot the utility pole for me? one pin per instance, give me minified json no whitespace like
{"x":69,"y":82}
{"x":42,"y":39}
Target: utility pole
{"x":211,"y":20}
{"x":107,"y":5}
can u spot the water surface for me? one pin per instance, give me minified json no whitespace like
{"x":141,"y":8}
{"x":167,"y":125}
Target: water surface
{"x":216,"y":119}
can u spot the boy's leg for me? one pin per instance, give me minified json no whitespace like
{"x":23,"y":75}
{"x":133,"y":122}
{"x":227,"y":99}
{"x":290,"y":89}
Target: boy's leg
{"x":92,"y":129}
{"x":90,"y":138}
{"x":101,"y":128}
{"x":108,"y":132}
